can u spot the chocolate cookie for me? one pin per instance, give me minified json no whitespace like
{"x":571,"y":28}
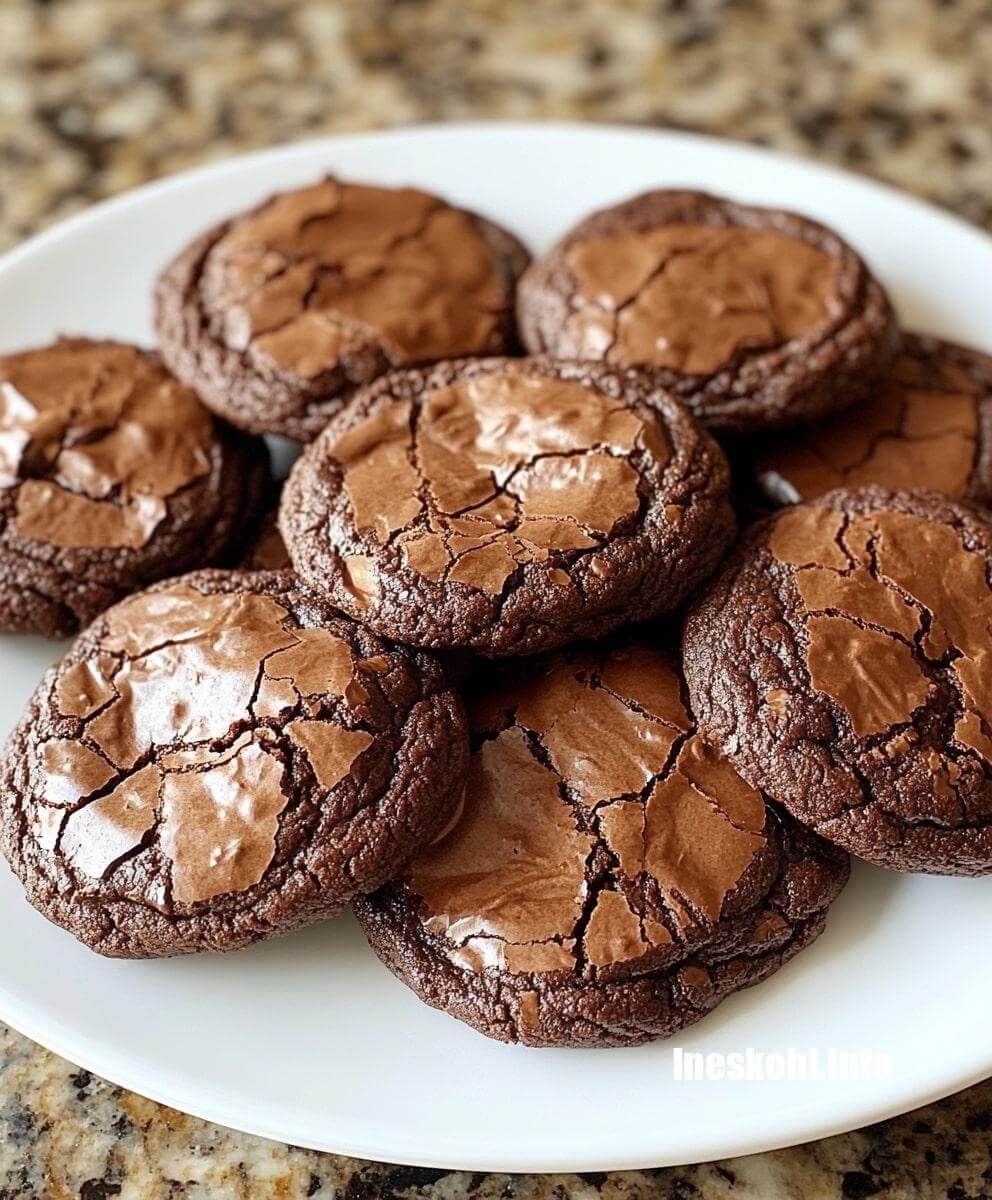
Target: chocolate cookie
{"x":222,"y":758}
{"x":756,"y":318}
{"x":927,"y":424}
{"x":611,"y":878}
{"x":842,"y":660}
{"x":276,"y":315}
{"x":507,"y":505}
{"x":112,"y":475}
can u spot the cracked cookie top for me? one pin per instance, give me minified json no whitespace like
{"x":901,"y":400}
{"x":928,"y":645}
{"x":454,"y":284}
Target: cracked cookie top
{"x":112,"y":473}
{"x":94,"y":439}
{"x":749,"y":313}
{"x":218,"y":758}
{"x":692,"y":297}
{"x":854,"y":639}
{"x":589,"y":778}
{"x":925,"y":426}
{"x":601,"y":840}
{"x":506,"y":505}
{"x":324,"y":288}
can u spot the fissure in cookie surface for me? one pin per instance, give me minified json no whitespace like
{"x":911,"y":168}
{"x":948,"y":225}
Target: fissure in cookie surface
{"x":603,"y":849}
{"x":883,"y":607}
{"x":292,"y":283}
{"x":112,"y":474}
{"x":279,"y":314}
{"x":922,"y":427}
{"x":221,"y":739}
{"x":498,"y":493}
{"x":494,"y":472}
{"x":692,"y":297}
{"x":758,"y":319}
{"x":94,"y":439}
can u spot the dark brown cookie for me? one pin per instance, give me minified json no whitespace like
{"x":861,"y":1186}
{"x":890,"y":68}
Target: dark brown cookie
{"x":222,"y":758}
{"x":610,"y":878}
{"x":277,"y":315}
{"x":507,"y":505}
{"x":926,"y":424}
{"x":842,"y":660}
{"x":756,"y":318}
{"x":112,"y":475}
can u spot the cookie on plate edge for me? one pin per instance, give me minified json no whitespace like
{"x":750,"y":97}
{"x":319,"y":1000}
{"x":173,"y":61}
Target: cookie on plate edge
{"x":841,"y":660}
{"x":222,"y":758}
{"x":276,"y":315}
{"x":611,"y":878}
{"x":758,"y":319}
{"x":926,"y":424}
{"x":112,"y":475}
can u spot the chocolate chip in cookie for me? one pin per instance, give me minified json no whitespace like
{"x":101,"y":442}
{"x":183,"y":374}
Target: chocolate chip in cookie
{"x":611,"y":878}
{"x":112,"y":475}
{"x":222,"y":758}
{"x":275,"y":316}
{"x":841,"y":659}
{"x":506,"y":505}
{"x":758,"y":319}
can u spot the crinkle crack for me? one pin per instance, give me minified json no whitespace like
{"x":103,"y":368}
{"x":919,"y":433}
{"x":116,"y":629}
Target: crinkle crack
{"x":590,"y":786}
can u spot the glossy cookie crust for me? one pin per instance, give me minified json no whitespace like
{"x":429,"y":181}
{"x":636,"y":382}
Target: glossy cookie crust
{"x":758,"y":319}
{"x":841,"y":660}
{"x":222,"y":758}
{"x":112,"y":475}
{"x":276,"y":315}
{"x":507,"y":506}
{"x":610,"y":878}
{"x":927,"y":423}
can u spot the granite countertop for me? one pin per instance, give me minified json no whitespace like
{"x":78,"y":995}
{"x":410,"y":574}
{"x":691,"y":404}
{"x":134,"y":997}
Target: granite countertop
{"x":99,"y":95}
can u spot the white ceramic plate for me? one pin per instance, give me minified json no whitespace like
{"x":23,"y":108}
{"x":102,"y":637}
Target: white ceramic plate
{"x":308,"y":1039}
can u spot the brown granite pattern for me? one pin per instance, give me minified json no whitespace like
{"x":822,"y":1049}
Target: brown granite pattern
{"x":99,"y":95}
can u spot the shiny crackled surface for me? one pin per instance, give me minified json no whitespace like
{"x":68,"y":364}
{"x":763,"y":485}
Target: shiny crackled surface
{"x":589,"y":781}
{"x":332,"y":270}
{"x":181,"y":740}
{"x":94,"y":440}
{"x":692,"y":297}
{"x":889,"y":599}
{"x":920,"y":429}
{"x":493,"y":472}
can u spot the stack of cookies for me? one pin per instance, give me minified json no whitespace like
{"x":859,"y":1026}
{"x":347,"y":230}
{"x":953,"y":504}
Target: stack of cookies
{"x":495,"y":668}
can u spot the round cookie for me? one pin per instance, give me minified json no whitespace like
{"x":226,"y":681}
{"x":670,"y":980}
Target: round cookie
{"x":758,"y":319}
{"x":112,"y":475}
{"x":610,"y":878}
{"x":507,"y":505}
{"x":841,"y":659}
{"x":278,"y":314}
{"x":927,"y":424}
{"x":222,"y":758}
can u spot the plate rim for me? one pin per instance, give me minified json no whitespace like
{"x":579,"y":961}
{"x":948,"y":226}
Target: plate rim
{"x":80,"y":1048}
{"x":469,"y":127}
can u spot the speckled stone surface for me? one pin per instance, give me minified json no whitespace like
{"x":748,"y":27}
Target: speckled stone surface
{"x":64,"y":1133}
{"x":99,"y":95}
